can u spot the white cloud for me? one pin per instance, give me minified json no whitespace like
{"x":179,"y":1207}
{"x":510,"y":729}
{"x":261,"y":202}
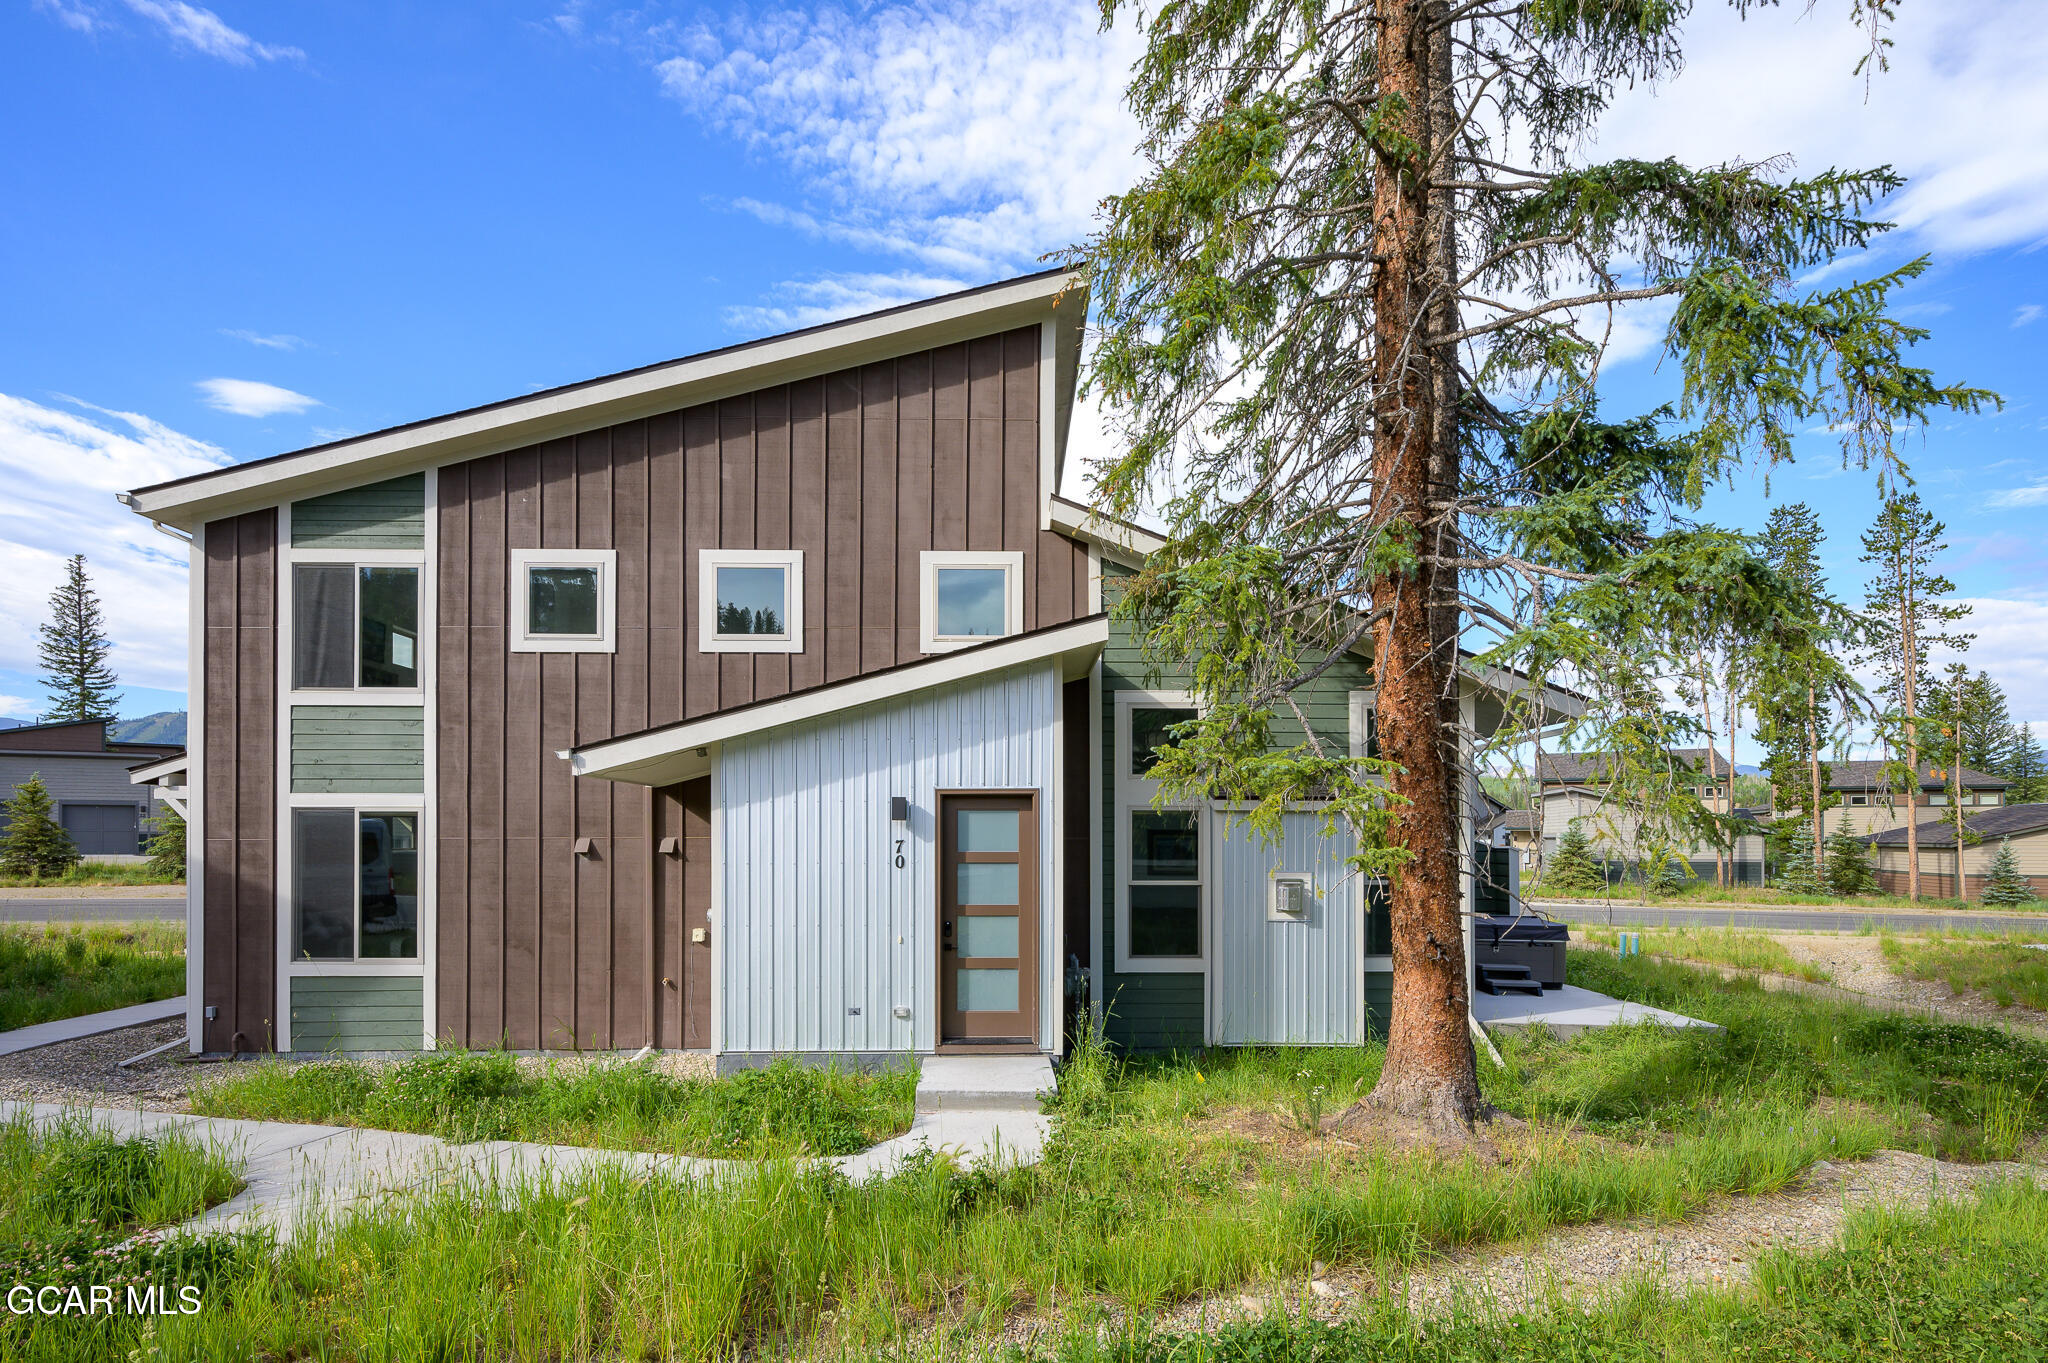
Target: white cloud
{"x":267,"y":342}
{"x":20,"y":707}
{"x":966,"y":136}
{"x":247,"y":397}
{"x":1962,"y":111}
{"x":2011,"y":645}
{"x":2035,"y":494}
{"x":807,"y":303}
{"x":62,"y":469}
{"x":2025,"y":313}
{"x":78,"y":18}
{"x":205,"y":32}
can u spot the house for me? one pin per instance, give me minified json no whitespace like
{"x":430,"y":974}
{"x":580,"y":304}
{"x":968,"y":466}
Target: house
{"x":1867,"y":803}
{"x":86,"y":773}
{"x":2026,"y":825}
{"x":762,"y":702}
{"x":1575,"y":787}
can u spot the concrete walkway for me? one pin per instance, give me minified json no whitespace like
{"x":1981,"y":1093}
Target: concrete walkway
{"x":300,"y":1178}
{"x":1571,"y":1010}
{"x":91,"y":1024}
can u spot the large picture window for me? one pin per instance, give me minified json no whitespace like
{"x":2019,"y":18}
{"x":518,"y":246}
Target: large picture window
{"x":750,"y":601}
{"x":355,"y":884}
{"x":969,"y":598}
{"x":355,"y":626}
{"x":564,"y":600}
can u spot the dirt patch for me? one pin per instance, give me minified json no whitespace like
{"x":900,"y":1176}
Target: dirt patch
{"x":1858,"y":963}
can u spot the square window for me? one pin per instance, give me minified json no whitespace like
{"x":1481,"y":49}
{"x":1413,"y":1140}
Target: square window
{"x":564,"y":601}
{"x":355,"y":627}
{"x":1165,"y":845}
{"x":750,"y":601}
{"x":969,"y":598}
{"x":1152,"y":729}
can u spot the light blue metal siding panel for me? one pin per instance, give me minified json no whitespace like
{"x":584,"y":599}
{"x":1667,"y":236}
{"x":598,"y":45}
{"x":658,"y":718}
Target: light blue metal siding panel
{"x":1284,"y":982}
{"x":817,"y":919}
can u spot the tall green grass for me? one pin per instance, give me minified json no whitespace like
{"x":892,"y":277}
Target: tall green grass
{"x":785,"y":1109}
{"x":95,"y":873}
{"x":2005,"y":971}
{"x":57,"y":1177}
{"x":57,"y":971}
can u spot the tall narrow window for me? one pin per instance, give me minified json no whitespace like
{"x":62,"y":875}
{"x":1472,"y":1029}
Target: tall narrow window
{"x":969,"y":598}
{"x":750,"y":601}
{"x":1166,"y":883}
{"x":1160,"y":896}
{"x":355,"y":627}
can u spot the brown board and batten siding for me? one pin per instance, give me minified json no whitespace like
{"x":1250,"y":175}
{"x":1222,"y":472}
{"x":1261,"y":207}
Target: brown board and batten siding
{"x":862,"y":470}
{"x":239,"y":782}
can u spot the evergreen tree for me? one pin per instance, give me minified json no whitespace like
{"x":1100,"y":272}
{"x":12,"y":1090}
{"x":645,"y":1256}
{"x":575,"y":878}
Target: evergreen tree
{"x":1571,"y":869}
{"x":1352,"y":329}
{"x":1848,"y":863}
{"x":1906,"y":614}
{"x":1793,"y":674}
{"x":1796,"y":871}
{"x":1671,"y":876}
{"x":74,"y":651}
{"x":2005,"y":884}
{"x":167,"y":846}
{"x":2026,"y":768}
{"x":34,"y":843}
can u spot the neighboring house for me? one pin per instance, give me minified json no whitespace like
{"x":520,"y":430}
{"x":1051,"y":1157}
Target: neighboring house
{"x":2026,"y":825}
{"x":761,"y":702}
{"x":87,"y":776}
{"x":1867,"y":804}
{"x":1575,"y":787}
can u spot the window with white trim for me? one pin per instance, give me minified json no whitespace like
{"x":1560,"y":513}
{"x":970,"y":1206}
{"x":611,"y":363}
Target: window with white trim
{"x":564,"y":601}
{"x":355,"y":626}
{"x":355,"y":884}
{"x":750,"y":600}
{"x":968,"y":598}
{"x":1159,"y":892}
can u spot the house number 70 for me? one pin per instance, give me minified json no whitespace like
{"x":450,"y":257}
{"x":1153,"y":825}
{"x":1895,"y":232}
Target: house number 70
{"x":899,"y":854}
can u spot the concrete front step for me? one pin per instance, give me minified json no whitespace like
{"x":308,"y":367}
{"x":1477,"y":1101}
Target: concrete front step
{"x":1005,"y":1083}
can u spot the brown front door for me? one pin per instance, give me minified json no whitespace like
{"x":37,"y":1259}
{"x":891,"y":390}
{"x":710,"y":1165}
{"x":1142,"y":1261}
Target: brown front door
{"x":988,"y":918}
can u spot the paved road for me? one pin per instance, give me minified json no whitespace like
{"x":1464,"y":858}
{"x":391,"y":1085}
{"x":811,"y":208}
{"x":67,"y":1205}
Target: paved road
{"x":90,"y":910}
{"x":1788,"y":920}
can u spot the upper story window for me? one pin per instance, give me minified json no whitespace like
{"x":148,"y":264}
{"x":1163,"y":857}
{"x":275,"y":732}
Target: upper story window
{"x":750,"y":600}
{"x":968,"y":598}
{"x":564,"y":600}
{"x":355,"y":625}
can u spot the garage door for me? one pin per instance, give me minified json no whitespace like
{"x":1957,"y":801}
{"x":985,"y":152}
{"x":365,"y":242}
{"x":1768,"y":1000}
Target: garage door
{"x":104,"y":830}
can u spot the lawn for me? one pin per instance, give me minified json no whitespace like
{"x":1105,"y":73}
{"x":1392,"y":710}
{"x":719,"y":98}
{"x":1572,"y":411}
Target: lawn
{"x":1730,"y":946}
{"x":2006,"y":972}
{"x":1699,"y":891}
{"x":72,"y":1200}
{"x":1166,"y":1178}
{"x":785,"y":1109}
{"x":63,"y":971}
{"x":94,"y":873}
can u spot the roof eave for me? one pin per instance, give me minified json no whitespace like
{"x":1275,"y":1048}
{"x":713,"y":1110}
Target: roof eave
{"x":1057,"y":296}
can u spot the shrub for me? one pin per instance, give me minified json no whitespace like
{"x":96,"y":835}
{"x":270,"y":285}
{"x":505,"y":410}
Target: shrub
{"x":1848,"y":861}
{"x":34,"y":843}
{"x":1570,"y":869}
{"x":2006,"y":885}
{"x":167,"y":846}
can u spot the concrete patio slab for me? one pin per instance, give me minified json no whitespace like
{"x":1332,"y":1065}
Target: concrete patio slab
{"x":1571,"y":1010}
{"x":91,"y":1024}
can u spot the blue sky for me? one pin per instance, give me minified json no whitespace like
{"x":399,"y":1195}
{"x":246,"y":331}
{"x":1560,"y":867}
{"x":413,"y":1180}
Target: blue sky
{"x":233,"y":231}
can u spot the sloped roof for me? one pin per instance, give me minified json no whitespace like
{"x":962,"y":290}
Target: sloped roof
{"x":1572,"y":768}
{"x":1871,"y":776}
{"x":2003,"y":821}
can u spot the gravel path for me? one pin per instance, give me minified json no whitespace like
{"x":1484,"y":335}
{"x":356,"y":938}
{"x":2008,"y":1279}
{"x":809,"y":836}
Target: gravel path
{"x":1715,"y":1248}
{"x":1859,"y":963}
{"x":84,"y":1071}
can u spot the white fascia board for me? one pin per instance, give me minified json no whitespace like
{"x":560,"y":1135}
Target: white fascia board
{"x":1078,"y":522}
{"x":659,"y":388}
{"x":156,"y":771}
{"x":657,"y":758}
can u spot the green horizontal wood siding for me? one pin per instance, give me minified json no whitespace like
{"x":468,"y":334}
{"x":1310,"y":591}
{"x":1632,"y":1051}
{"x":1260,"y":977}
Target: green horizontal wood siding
{"x":357,"y":1012}
{"x":1379,"y":1003}
{"x":358,"y":750}
{"x":387,"y":515}
{"x":1165,"y":1011}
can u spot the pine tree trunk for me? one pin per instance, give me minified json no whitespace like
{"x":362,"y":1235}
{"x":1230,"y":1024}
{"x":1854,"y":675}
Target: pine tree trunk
{"x":1430,"y":1077}
{"x":1813,"y":766}
{"x":1728,"y":713}
{"x":1909,"y":659}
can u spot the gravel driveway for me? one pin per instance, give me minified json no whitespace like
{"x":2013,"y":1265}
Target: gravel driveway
{"x":84,"y":1071}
